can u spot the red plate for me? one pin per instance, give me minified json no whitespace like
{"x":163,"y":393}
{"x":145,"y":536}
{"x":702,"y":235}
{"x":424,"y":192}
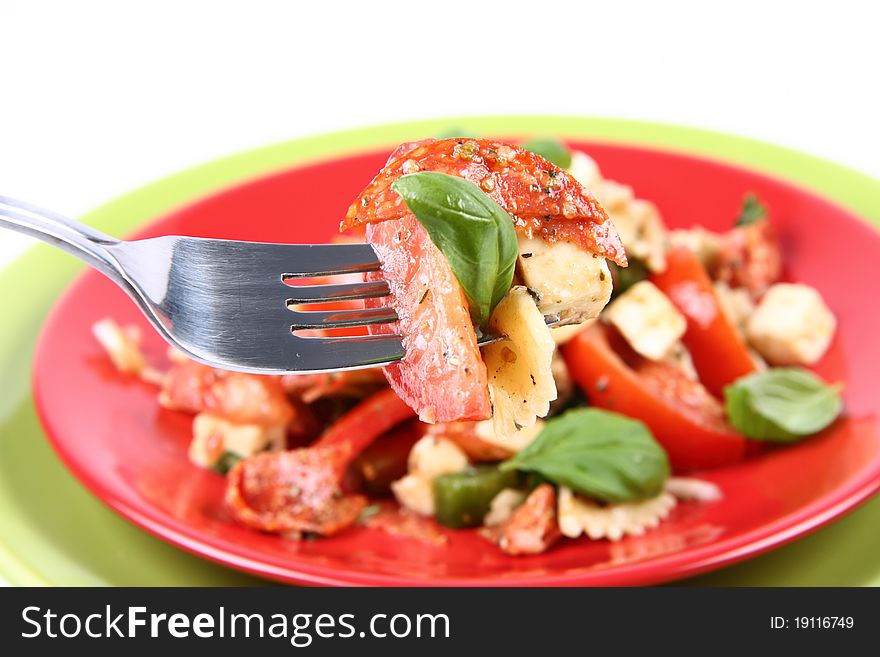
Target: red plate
{"x":111,"y":433}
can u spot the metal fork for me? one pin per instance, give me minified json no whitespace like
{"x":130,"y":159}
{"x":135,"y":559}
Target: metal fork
{"x":225,"y":303}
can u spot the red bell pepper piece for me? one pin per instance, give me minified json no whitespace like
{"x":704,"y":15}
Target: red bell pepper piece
{"x":684,"y":418}
{"x":719,"y":353}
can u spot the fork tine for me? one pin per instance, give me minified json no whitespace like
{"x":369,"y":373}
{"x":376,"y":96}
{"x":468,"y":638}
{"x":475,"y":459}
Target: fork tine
{"x":352,"y":352}
{"x":324,"y":319}
{"x":330,"y":259}
{"x":345,"y":292}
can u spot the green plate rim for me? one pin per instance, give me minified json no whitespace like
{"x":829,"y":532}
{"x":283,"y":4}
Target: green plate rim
{"x":852,"y":189}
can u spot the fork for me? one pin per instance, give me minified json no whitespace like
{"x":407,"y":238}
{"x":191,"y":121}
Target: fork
{"x":226,"y":303}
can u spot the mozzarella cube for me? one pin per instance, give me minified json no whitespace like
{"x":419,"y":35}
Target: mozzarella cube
{"x":647,"y":319}
{"x":791,"y":325}
{"x":564,"y":279}
{"x":433,"y":456}
{"x":416,"y":493}
{"x":641,"y":230}
{"x":430,"y":457}
{"x":214,"y":435}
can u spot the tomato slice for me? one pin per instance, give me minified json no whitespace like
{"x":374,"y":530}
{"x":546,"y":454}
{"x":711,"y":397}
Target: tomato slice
{"x":292,"y":492}
{"x":300,"y":490}
{"x":719,"y":353}
{"x":442,"y":376}
{"x":543,"y":200}
{"x":684,"y":418}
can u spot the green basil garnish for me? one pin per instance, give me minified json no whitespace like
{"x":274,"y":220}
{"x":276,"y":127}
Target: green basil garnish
{"x":551,"y":150}
{"x":596,"y":453}
{"x":474,"y":233}
{"x":783,"y":404}
{"x":752,"y":211}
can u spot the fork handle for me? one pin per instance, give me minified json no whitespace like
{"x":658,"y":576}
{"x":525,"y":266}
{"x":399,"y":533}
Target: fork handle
{"x":75,"y":238}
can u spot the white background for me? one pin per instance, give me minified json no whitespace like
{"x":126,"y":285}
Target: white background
{"x":99,"y":97}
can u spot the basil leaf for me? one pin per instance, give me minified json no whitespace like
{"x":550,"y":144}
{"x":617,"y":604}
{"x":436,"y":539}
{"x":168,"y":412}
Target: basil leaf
{"x":783,"y":404}
{"x":602,"y":455}
{"x":752,"y":211}
{"x":474,"y":233}
{"x":551,"y":150}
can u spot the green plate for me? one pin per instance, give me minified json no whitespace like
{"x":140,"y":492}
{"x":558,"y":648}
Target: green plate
{"x":53,"y":532}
